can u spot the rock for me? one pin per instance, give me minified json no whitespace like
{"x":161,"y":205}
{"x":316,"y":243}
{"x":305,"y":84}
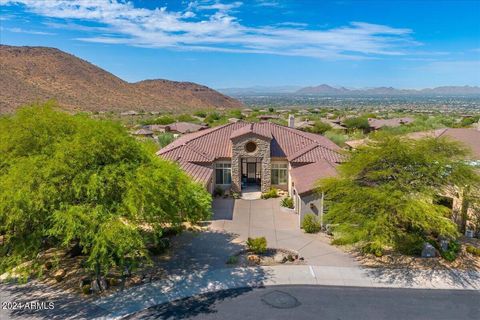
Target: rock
{"x":95,"y":286}
{"x":112,"y":281}
{"x":103,"y":284}
{"x":444,"y":245}
{"x":301,"y":258}
{"x":59,"y":274}
{"x":469,"y":233}
{"x":133,"y":281}
{"x":278,"y":258}
{"x":253,"y":258}
{"x":428,"y":251}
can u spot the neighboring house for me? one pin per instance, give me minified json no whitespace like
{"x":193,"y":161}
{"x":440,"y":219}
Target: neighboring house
{"x":144,"y":133}
{"x":241,"y":154}
{"x":268,"y":116}
{"x":376,"y":124}
{"x":184,"y":127}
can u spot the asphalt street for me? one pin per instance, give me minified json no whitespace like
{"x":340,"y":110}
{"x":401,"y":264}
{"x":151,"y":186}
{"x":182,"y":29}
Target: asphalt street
{"x":321,"y":302}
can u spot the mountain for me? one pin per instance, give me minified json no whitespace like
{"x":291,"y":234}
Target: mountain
{"x":260,"y":90}
{"x":29,"y":74}
{"x":323,"y":89}
{"x":387,"y":91}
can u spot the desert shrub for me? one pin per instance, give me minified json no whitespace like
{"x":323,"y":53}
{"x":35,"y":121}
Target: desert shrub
{"x":272,"y":193}
{"x":257,"y":245}
{"x":218,"y":191}
{"x":200,"y":114}
{"x":287,"y":202}
{"x":310,"y":223}
{"x":410,"y":244}
{"x":186,"y":118}
{"x":165,"y":139}
{"x":451,"y":253}
{"x":473,"y":250}
{"x":232,"y":260}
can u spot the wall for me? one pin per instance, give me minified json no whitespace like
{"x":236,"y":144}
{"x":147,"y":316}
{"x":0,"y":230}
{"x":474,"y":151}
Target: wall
{"x":239,"y":152}
{"x":304,"y":205}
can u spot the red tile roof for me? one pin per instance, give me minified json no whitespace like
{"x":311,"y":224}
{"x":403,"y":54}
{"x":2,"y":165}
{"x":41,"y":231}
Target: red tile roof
{"x":470,"y":137}
{"x":207,"y":145}
{"x":200,"y":174}
{"x":305,"y":177}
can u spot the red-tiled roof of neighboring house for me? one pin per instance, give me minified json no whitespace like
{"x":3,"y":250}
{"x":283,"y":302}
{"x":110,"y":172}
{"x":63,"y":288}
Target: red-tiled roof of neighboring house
{"x":305,"y":177}
{"x":185,"y":127}
{"x":215,"y":143}
{"x":199,"y":173}
{"x":395,"y":122}
{"x":470,"y":137}
{"x":143,"y":132}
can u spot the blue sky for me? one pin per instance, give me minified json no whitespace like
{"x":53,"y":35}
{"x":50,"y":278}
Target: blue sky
{"x":406,"y":44}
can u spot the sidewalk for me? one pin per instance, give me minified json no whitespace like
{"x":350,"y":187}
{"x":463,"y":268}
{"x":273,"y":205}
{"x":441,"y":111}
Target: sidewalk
{"x":190,"y":284}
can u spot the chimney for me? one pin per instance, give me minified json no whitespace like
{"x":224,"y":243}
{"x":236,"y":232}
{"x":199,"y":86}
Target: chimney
{"x":291,"y":121}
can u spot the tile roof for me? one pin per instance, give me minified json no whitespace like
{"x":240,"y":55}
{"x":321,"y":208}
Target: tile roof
{"x":185,"y":127}
{"x":205,"y":146}
{"x":470,"y":137}
{"x":200,"y":174}
{"x":305,"y":177}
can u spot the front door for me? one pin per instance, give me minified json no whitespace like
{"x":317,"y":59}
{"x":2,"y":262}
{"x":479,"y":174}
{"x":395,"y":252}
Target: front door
{"x":251,"y":172}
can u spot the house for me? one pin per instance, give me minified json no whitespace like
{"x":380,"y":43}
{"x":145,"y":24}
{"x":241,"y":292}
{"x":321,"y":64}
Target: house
{"x":376,"y":124}
{"x":144,"y":133}
{"x":262,"y":155}
{"x":268,"y":116}
{"x":184,"y":127}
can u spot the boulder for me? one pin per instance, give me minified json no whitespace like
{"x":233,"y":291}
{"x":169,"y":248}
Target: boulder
{"x":59,"y":274}
{"x":133,"y":281}
{"x":428,"y":251}
{"x":103,"y":284}
{"x":278,"y":258}
{"x":253,"y":258}
{"x":444,"y":245}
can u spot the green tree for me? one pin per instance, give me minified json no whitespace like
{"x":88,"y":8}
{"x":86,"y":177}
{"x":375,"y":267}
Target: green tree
{"x":68,"y":180}
{"x":383,"y":196}
{"x":357,"y":123}
{"x":320,"y":127}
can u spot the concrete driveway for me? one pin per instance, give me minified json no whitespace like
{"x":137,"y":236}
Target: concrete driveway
{"x":256,"y":218}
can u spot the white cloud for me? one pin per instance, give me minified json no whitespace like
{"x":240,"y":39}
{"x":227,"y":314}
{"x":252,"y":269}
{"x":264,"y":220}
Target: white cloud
{"x":212,"y":26}
{"x":20,"y":30}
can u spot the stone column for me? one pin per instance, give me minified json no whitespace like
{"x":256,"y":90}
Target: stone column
{"x":236,"y":173}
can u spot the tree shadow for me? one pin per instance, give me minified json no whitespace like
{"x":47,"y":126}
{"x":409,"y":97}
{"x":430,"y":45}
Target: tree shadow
{"x":66,"y":305}
{"x":223,"y":208}
{"x":197,"y":265}
{"x":190,"y":306}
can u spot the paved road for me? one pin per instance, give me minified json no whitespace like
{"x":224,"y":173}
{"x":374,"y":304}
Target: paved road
{"x":321,"y":302}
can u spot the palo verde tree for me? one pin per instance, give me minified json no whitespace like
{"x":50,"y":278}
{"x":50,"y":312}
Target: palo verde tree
{"x":384,"y":196}
{"x":68,"y":180}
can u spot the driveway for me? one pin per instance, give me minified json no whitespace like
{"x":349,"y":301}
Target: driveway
{"x":266,"y":218}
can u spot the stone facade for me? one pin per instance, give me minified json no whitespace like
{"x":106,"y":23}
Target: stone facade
{"x":262,"y":151}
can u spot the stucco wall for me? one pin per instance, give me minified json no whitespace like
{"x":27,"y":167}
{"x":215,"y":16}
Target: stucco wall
{"x":239,"y":152}
{"x":310,"y":203}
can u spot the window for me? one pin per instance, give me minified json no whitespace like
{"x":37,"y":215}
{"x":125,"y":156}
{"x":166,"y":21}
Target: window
{"x":279,"y":173}
{"x":251,"y":147}
{"x":223,"y":173}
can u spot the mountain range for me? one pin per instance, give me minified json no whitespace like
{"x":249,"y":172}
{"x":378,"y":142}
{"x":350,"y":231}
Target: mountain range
{"x":328,"y":90}
{"x":29,"y":74}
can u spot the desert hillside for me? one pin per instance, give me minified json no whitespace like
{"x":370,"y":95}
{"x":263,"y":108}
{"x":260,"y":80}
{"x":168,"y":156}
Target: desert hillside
{"x":28,"y":74}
